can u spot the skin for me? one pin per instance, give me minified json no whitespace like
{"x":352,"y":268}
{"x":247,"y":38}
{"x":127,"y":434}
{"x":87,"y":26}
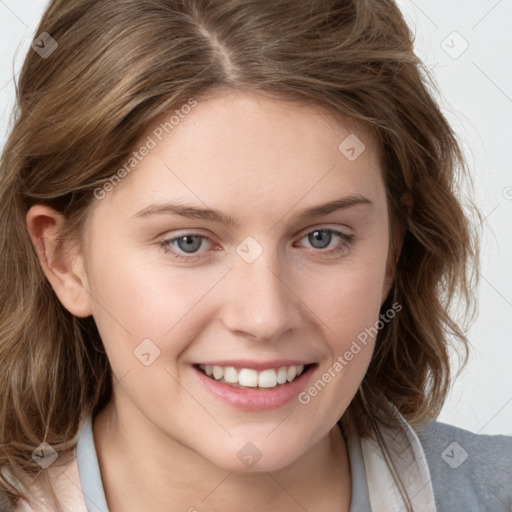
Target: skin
{"x":164,"y":438}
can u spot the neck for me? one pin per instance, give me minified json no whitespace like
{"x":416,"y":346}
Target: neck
{"x":136,"y":473}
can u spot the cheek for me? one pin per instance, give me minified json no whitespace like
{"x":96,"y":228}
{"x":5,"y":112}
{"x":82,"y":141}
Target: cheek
{"x":348,"y":296}
{"x":348,"y":303}
{"x":138,"y":297}
{"x":350,"y":310}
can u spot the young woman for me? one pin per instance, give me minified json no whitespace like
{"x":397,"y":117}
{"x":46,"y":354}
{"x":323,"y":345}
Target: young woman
{"x":230,"y":244}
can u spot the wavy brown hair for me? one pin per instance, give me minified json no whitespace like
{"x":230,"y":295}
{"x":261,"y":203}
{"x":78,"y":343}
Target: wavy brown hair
{"x":120,"y":64}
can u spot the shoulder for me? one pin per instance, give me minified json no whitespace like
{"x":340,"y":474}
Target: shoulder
{"x":470,"y":472}
{"x":65,"y":480}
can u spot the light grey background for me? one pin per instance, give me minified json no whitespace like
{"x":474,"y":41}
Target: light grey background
{"x":475,"y":86}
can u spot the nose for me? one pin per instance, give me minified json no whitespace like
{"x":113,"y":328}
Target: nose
{"x":259,"y":302}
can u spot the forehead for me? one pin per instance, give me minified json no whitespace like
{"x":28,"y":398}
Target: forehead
{"x":257,"y":120}
{"x":233,"y":150}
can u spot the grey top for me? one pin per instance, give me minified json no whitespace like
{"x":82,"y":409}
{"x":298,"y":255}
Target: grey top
{"x":94,"y":495}
{"x":469,"y":472}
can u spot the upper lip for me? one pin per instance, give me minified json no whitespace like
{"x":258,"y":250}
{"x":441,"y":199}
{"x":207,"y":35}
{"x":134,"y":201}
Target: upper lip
{"x":256,"y":365}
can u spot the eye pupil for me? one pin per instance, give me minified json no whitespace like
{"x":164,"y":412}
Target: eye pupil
{"x":192,"y":243}
{"x":321,"y":237}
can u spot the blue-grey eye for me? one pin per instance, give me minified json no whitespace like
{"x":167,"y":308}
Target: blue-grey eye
{"x":320,"y":239}
{"x":189,"y":243}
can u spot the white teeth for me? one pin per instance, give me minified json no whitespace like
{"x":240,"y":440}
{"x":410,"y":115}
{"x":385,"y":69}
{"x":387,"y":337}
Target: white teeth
{"x":281,"y":375}
{"x":218,"y":372}
{"x":230,"y":374}
{"x":248,"y":377}
{"x":291,"y":373}
{"x":267,"y":379}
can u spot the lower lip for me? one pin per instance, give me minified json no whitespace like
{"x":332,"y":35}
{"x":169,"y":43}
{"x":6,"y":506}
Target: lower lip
{"x":255,"y":399}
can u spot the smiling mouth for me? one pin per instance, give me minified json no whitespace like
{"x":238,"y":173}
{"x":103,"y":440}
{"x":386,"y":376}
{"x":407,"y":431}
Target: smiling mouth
{"x":248,"y":378}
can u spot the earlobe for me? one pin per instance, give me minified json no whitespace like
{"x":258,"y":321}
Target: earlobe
{"x":62,"y":264}
{"x":387,"y":286}
{"x":408,"y":201}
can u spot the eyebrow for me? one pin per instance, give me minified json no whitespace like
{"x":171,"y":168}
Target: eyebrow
{"x":208,"y":214}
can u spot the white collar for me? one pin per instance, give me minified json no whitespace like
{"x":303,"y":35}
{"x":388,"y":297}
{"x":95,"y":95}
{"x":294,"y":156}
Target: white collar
{"x":403,"y":444}
{"x":411,"y":465}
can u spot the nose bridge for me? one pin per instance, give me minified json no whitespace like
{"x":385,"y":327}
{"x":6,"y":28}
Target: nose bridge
{"x":260,"y":304}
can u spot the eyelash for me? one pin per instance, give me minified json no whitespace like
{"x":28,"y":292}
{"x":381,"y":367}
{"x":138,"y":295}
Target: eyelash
{"x":165,"y":244}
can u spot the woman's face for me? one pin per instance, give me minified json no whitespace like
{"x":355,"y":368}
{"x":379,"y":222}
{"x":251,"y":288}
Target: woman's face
{"x":279,"y":282}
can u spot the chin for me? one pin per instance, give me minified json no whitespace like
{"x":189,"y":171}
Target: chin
{"x":249,"y":458}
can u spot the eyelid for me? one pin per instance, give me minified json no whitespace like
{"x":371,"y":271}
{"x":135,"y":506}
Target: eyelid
{"x":170,"y":239}
{"x":301,"y":234}
{"x":346,"y":238}
{"x":325,"y":227}
{"x":166,"y":242}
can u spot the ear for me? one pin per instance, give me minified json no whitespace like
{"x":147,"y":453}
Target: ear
{"x":61,"y":261}
{"x":397,"y":243}
{"x":391,"y":267}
